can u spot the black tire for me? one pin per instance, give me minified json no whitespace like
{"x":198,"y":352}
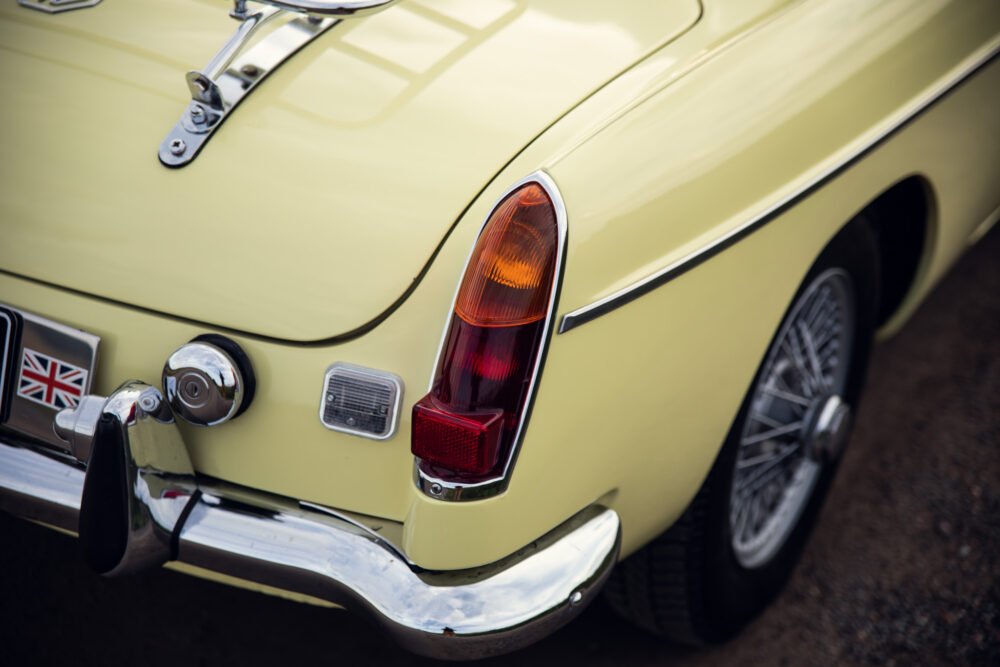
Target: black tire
{"x":687,"y":584}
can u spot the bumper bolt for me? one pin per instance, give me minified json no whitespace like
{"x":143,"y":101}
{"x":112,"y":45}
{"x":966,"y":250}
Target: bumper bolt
{"x":149,"y":403}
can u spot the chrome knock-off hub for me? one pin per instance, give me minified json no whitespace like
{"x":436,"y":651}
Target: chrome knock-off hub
{"x":826,"y":431}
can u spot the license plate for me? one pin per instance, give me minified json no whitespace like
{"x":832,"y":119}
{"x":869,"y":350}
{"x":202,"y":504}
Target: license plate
{"x":47,"y":366}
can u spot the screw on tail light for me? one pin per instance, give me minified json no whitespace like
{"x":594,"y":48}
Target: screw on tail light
{"x":467,"y":429}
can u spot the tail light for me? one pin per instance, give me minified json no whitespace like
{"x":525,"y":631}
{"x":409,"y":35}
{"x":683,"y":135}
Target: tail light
{"x":466,"y":430}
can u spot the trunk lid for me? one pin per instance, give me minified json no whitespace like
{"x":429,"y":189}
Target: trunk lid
{"x":319,"y":201}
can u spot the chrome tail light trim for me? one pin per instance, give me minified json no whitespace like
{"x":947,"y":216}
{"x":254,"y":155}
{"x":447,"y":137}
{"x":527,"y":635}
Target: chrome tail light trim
{"x":446,"y":490}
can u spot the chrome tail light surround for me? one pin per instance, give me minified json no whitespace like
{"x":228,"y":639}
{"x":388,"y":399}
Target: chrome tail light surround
{"x":443,"y":489}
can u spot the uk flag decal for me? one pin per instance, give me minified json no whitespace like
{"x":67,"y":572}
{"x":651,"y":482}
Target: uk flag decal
{"x":49,"y":381}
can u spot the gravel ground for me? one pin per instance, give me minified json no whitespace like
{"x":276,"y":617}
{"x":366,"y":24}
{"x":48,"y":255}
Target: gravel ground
{"x":902,"y":570}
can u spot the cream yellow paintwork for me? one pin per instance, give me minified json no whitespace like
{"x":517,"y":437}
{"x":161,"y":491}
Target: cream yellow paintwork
{"x":316,"y":205}
{"x":750,"y":104}
{"x":703,"y":151}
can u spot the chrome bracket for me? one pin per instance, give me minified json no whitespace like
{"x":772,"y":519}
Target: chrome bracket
{"x":236,"y":69}
{"x":232,"y":74}
{"x":56,"y":6}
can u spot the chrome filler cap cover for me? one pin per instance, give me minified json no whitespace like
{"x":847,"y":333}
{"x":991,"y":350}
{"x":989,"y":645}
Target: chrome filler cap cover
{"x":208,"y":381}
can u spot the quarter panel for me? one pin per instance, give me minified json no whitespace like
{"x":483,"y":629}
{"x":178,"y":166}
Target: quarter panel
{"x":756,"y":124}
{"x":633,"y":406}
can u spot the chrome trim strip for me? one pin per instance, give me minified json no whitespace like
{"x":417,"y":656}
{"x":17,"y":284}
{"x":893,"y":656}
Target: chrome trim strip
{"x":444,"y":490}
{"x":681,"y":266}
{"x":325,"y":7}
{"x":463,"y":614}
{"x":58,"y":6}
{"x":39,"y":486}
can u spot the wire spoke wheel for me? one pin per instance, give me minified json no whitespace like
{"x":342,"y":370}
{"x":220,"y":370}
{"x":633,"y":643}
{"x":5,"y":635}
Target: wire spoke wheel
{"x":796,"y":419}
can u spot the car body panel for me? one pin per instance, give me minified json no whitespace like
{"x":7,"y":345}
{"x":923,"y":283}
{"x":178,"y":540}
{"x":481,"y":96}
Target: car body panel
{"x":633,"y":407}
{"x":664,"y":413}
{"x":353,"y":159}
{"x":662,"y":370}
{"x":792,"y":126}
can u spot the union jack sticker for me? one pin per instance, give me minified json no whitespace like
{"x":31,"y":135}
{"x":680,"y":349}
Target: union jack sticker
{"x":49,"y":381}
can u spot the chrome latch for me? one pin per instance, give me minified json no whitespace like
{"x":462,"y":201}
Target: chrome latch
{"x":236,"y":70}
{"x":56,"y":6}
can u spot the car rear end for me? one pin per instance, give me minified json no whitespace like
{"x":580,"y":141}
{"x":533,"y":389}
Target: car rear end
{"x":308,"y":268}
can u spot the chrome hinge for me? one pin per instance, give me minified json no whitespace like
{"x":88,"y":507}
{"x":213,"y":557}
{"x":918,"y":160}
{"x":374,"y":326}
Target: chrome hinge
{"x":236,"y":70}
{"x":56,"y":6}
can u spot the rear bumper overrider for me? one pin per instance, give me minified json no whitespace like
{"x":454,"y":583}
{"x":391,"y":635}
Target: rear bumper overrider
{"x":170,"y":514}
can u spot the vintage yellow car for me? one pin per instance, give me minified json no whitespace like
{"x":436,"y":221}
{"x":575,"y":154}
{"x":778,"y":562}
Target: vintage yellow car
{"x":456,"y":313}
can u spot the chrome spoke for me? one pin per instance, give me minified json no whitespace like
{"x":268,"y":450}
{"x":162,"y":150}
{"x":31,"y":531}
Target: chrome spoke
{"x":752,"y":481}
{"x":818,"y":305}
{"x":827,"y":334}
{"x":787,"y":396}
{"x":765,"y":420}
{"x":799,"y":364}
{"x":824,"y":317}
{"x":813,"y":357}
{"x":766,"y":458}
{"x":739,"y":522}
{"x":771,"y":434}
{"x":753,"y":515}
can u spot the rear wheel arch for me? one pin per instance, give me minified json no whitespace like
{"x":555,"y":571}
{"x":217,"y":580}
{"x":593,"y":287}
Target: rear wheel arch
{"x":902,"y":221}
{"x":678,"y":585}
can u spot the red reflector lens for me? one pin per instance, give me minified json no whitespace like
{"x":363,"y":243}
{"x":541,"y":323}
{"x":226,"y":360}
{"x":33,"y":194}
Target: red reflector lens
{"x":462,"y":443}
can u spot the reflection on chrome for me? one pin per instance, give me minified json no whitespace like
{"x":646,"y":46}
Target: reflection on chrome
{"x":139,"y":480}
{"x":203,"y":384}
{"x":463,"y":614}
{"x":322,"y":7}
{"x":279,"y":542}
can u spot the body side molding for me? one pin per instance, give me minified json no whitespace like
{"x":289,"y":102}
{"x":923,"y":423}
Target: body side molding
{"x":627,"y":294}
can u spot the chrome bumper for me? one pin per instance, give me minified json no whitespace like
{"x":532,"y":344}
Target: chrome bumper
{"x":277,"y":542}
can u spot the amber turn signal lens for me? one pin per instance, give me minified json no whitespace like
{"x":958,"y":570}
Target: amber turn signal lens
{"x":509,"y":278}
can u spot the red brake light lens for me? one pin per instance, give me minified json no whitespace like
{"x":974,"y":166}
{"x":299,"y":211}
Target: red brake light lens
{"x":465,"y":428}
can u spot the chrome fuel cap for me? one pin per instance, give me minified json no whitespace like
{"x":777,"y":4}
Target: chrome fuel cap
{"x":208,"y":381}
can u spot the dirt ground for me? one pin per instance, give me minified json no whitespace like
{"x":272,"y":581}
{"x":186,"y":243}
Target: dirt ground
{"x":903,"y":569}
